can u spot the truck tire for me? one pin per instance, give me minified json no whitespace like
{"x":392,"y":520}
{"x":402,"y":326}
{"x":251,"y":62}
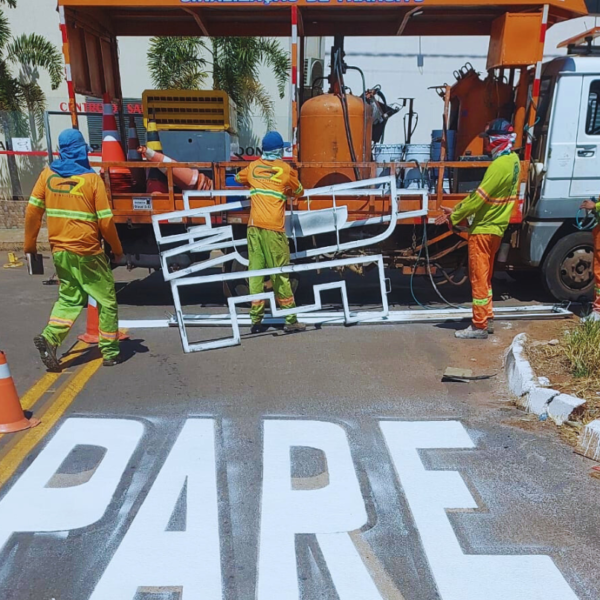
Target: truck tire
{"x":567,"y":270}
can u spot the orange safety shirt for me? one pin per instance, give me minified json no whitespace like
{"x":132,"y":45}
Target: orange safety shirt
{"x":78,"y":214}
{"x":271,"y":181}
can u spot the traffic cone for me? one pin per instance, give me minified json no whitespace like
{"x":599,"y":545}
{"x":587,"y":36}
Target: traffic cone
{"x":92,"y":334}
{"x":112,"y":151}
{"x":186,"y":179}
{"x":156,"y":182}
{"x":138,"y":175}
{"x":12,"y":417}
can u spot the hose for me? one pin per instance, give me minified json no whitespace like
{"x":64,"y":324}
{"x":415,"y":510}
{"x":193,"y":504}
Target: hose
{"x":588,"y":222}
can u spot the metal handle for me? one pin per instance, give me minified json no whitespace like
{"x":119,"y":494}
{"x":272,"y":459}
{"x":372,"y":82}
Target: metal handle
{"x":586,"y":153}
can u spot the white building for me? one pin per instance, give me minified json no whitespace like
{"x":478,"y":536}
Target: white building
{"x":391,"y":62}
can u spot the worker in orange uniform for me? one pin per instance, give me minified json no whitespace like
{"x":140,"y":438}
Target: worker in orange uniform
{"x":491,"y":206}
{"x":270,"y":180}
{"x":74,"y":199}
{"x":594,"y":207}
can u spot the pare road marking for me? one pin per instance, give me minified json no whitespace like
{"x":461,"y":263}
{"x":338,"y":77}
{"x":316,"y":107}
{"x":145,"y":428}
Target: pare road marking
{"x":188,"y":561}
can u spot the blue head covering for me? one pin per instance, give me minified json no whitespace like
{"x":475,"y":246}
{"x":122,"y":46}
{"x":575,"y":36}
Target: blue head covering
{"x":273,"y":146}
{"x":73,"y":152}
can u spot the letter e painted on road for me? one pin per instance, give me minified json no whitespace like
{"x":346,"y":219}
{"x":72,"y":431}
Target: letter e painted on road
{"x":155,"y":556}
{"x":31,"y":505}
{"x":430,"y":494}
{"x":331,"y":512}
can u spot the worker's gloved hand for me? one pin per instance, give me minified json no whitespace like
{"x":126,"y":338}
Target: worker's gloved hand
{"x":443,"y":218}
{"x":588,"y":205}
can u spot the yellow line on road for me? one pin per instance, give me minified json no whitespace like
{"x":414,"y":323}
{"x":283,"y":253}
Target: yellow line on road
{"x":59,"y":403}
{"x":38,"y":389}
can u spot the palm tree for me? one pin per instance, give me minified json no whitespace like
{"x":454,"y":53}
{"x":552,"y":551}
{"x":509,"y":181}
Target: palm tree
{"x":22,"y":100}
{"x":236,"y":61}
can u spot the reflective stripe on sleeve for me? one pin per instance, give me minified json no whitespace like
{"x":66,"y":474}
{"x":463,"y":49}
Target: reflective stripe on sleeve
{"x":104,"y":214}
{"x":36,"y":202}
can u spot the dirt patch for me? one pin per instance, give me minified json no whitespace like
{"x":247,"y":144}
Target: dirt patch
{"x":548,"y":355}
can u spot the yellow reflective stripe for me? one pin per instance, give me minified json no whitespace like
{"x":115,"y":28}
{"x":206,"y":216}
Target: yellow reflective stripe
{"x":59,"y":321}
{"x":76,"y":215}
{"x":300,"y":189}
{"x":258,"y":302}
{"x":490,"y":294}
{"x":285,"y":301}
{"x":277,"y":195}
{"x":36,"y":202}
{"x":108,"y":336}
{"x":478,"y":302}
{"x":104,"y":214}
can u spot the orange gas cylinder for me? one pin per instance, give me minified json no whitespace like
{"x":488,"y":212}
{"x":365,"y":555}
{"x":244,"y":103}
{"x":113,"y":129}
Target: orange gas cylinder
{"x":474,"y":103}
{"x":323,"y":138}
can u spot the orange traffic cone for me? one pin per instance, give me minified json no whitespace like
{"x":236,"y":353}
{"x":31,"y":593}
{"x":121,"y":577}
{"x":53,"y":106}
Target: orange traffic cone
{"x":12,"y":417}
{"x":92,"y":329}
{"x":186,"y":179}
{"x":112,"y":151}
{"x":138,"y":175}
{"x":156,"y":182}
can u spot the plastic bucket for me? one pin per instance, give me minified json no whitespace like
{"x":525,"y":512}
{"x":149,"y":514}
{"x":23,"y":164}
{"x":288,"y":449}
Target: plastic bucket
{"x":422,"y":154}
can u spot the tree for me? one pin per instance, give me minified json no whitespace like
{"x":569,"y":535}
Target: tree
{"x":22,"y":100}
{"x":236,"y":62}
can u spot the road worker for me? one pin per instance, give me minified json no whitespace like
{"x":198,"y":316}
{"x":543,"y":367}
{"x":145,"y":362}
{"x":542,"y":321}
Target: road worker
{"x":594,"y":207}
{"x":490,"y":206}
{"x":78,"y":217}
{"x":271,"y":180}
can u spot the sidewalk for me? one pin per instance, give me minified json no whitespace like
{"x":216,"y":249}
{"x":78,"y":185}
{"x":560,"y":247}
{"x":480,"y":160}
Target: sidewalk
{"x":11,"y":240}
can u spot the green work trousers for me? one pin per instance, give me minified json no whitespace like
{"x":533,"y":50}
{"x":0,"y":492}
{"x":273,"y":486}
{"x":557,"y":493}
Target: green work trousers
{"x":268,"y":249}
{"x":79,"y":277}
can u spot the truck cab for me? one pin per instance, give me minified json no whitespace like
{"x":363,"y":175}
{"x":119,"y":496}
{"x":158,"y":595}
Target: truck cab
{"x":565,"y":170}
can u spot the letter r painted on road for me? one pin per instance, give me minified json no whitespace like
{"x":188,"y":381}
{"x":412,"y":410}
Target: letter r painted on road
{"x":32,"y":506}
{"x":331,"y":512}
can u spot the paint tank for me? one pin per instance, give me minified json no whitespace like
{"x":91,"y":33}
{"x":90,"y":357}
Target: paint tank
{"x":474,"y":103}
{"x":323,"y":138}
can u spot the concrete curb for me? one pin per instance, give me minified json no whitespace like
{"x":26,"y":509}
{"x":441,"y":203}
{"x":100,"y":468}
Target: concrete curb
{"x":589,"y":440}
{"x":532,"y":392}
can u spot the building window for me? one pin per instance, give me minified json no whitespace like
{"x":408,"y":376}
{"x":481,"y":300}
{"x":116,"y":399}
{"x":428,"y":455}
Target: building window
{"x":592,"y":122}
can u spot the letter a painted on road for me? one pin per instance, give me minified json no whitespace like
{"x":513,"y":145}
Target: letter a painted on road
{"x":150,"y":556}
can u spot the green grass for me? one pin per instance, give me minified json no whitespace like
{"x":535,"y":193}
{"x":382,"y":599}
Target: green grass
{"x":582,"y":349}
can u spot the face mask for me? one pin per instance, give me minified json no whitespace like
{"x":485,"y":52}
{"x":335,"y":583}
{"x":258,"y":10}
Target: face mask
{"x":273,"y":154}
{"x":500,"y":145}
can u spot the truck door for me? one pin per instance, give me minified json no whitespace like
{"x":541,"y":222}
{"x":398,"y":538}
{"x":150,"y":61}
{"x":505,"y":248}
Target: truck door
{"x":561,"y":147}
{"x":586,"y":169}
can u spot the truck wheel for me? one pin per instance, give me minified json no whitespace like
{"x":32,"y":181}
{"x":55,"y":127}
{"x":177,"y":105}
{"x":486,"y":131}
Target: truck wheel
{"x":567,"y":271}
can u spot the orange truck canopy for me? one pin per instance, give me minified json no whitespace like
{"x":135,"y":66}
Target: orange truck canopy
{"x":317,"y":17}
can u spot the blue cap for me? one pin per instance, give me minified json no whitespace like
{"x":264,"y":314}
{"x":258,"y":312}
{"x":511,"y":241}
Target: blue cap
{"x":273,"y":141}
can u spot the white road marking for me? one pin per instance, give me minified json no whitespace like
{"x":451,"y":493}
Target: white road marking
{"x":331,"y":512}
{"x":149,"y":556}
{"x":29,"y":506}
{"x":430,"y":493}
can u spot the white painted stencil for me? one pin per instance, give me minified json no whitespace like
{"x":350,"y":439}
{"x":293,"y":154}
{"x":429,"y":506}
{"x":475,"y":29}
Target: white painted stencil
{"x":188,"y":561}
{"x":330,"y":512}
{"x":30,"y":506}
{"x":459,"y":576}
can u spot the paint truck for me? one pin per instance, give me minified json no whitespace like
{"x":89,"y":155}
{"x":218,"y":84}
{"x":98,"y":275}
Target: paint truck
{"x":336,"y":135}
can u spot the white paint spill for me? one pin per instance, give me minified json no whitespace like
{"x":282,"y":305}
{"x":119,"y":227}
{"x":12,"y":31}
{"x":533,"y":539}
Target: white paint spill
{"x":430,"y":494}
{"x":330,"y":512}
{"x":30,"y":506}
{"x":150,"y":556}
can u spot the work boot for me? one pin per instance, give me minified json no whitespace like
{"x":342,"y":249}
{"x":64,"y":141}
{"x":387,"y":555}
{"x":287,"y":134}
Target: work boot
{"x":111,"y":362}
{"x":47,"y":353}
{"x":471,"y":333}
{"x":258,"y":328}
{"x":294,"y":327}
{"x":490,"y":327}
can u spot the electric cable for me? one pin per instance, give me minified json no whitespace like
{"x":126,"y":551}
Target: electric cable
{"x":588,"y":222}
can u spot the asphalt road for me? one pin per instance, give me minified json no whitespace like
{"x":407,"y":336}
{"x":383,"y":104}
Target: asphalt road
{"x":332,"y":464}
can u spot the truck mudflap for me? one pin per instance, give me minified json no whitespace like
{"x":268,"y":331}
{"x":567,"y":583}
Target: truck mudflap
{"x":536,"y":239}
